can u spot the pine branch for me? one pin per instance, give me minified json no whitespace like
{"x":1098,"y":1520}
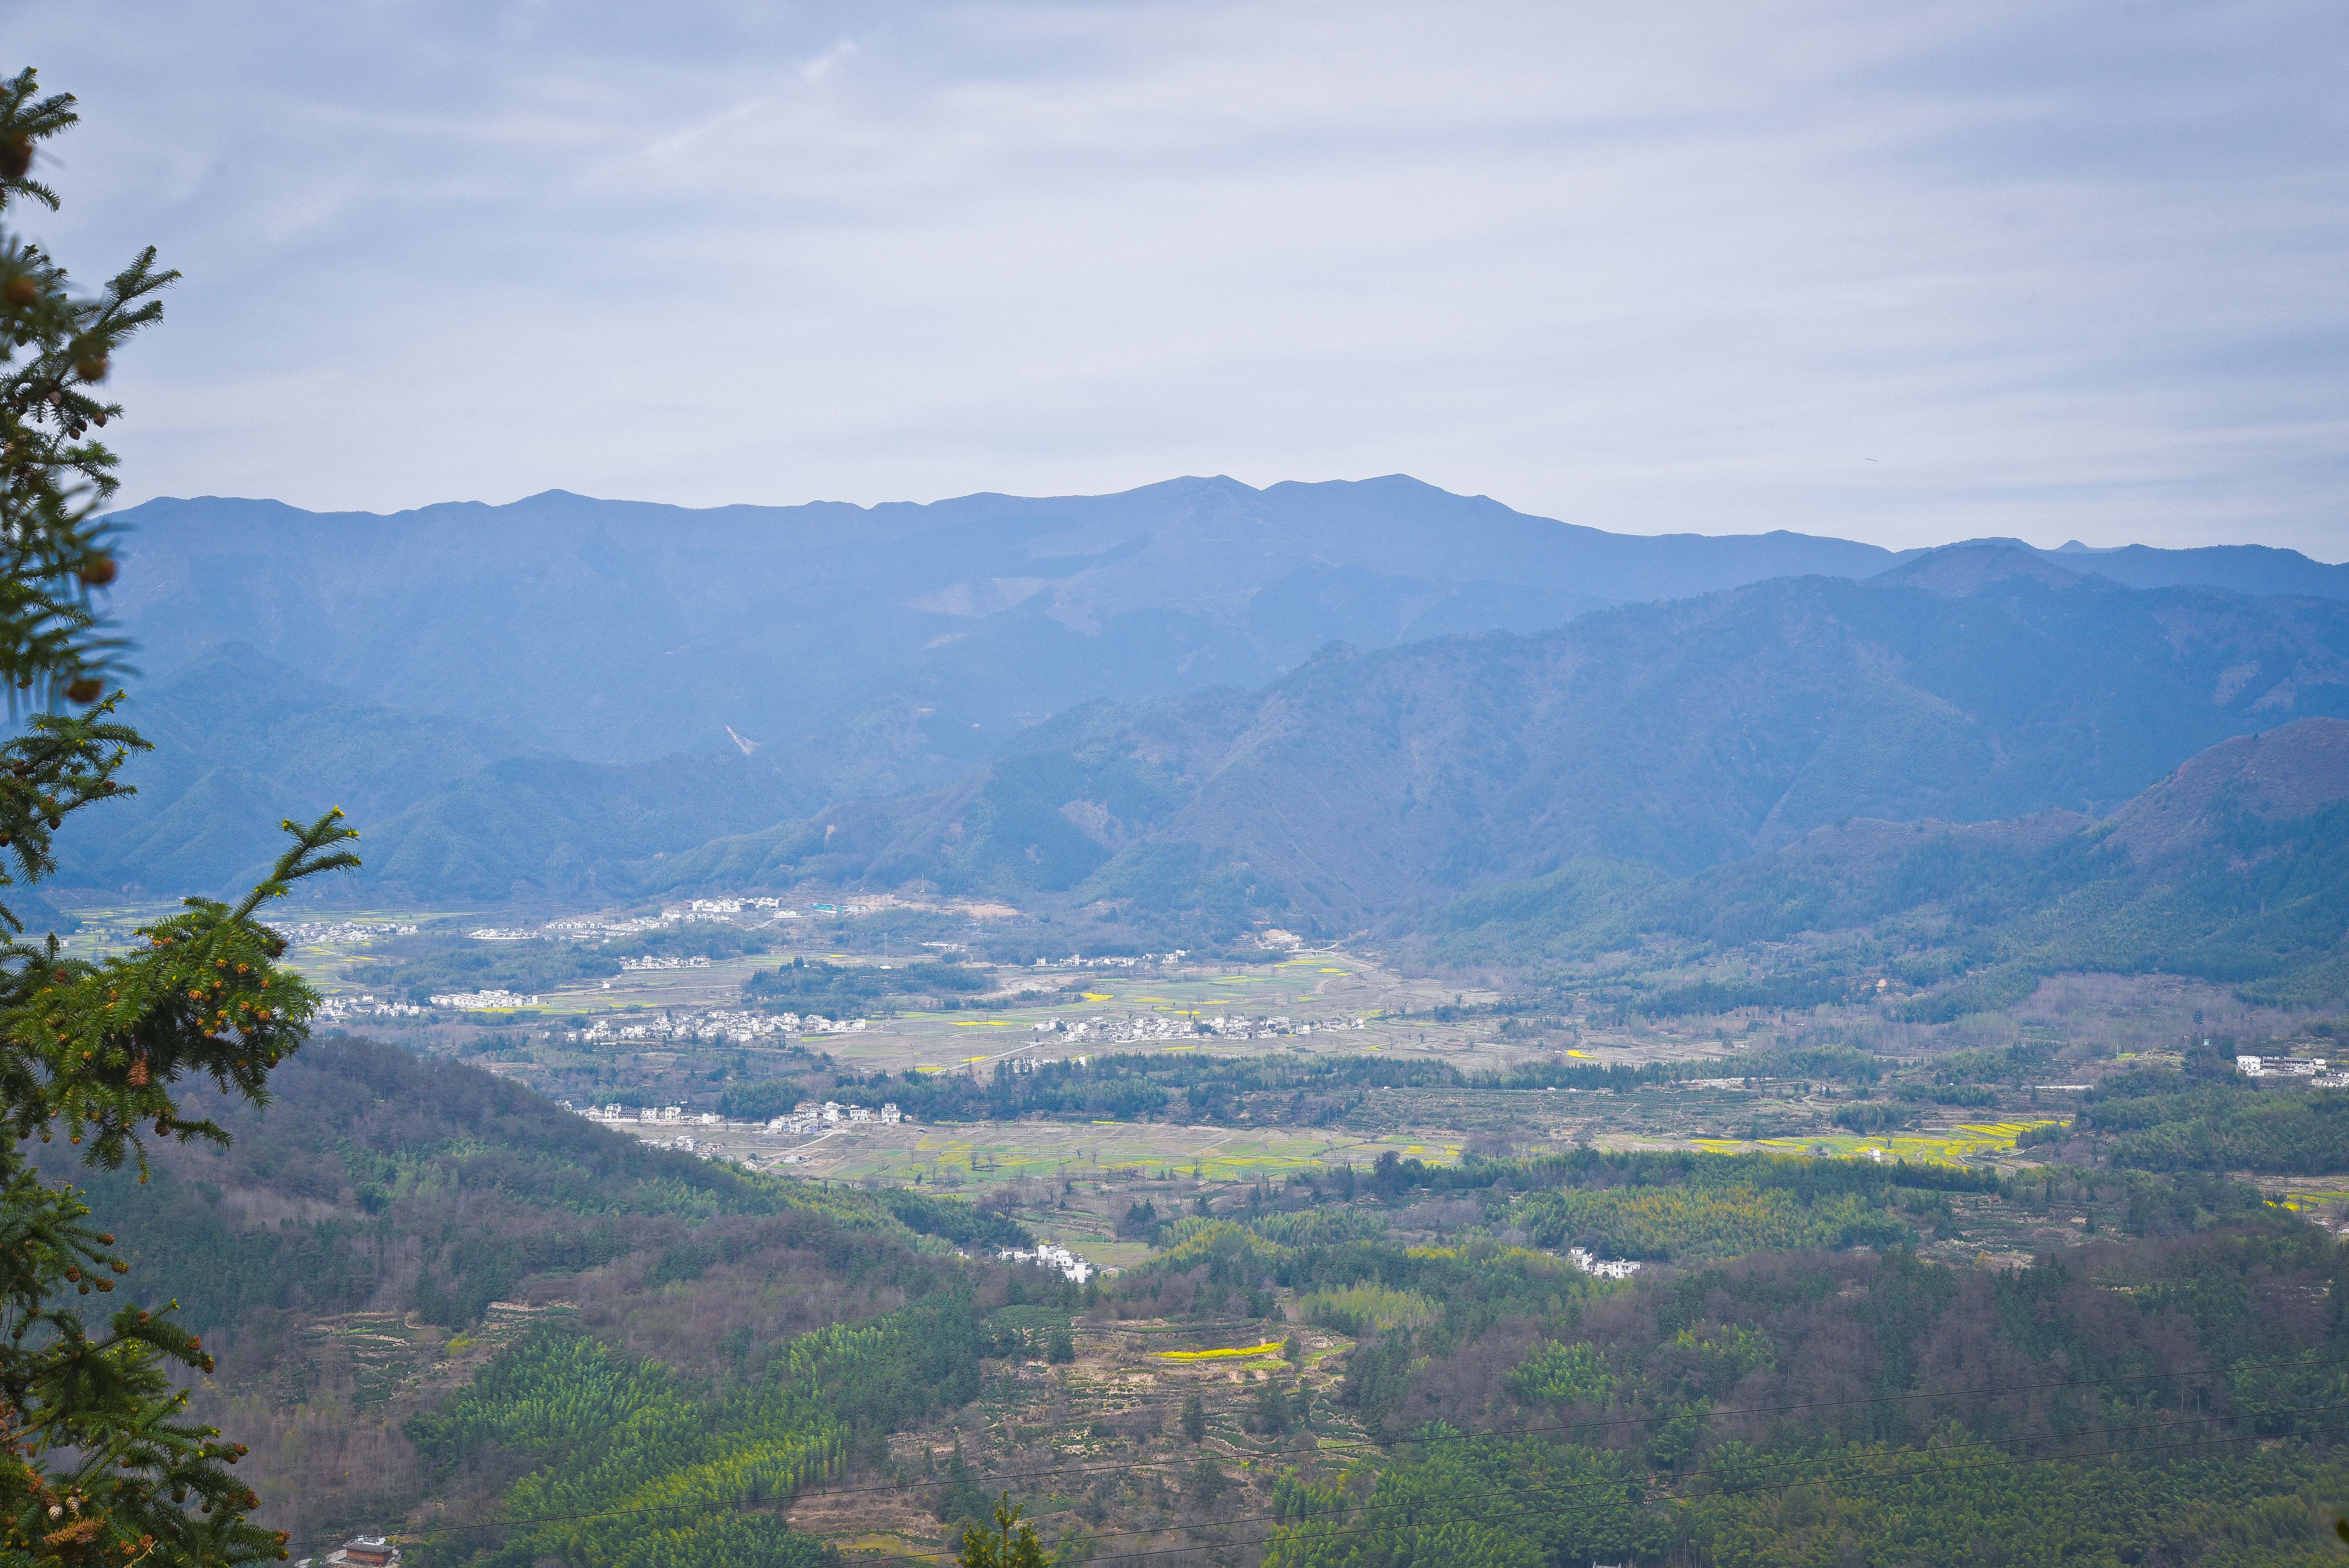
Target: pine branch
{"x":97,"y":1459}
{"x":96,"y":1049}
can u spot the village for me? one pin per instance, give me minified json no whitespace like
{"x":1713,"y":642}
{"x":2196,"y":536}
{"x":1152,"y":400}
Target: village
{"x":344,"y":1009}
{"x":716,"y":1026}
{"x":1138,"y":1027}
{"x":665,"y":1125}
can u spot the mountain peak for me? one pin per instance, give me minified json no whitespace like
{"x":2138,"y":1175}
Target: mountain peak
{"x":1958,"y":570}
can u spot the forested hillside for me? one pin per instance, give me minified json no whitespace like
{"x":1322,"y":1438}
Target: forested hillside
{"x":576,"y":692}
{"x":1974,"y":685}
{"x":455,"y":810}
{"x":875,"y":639}
{"x":347,"y":1256}
{"x":1811,"y":1401}
{"x":2234,"y":869}
{"x":442,"y":1303}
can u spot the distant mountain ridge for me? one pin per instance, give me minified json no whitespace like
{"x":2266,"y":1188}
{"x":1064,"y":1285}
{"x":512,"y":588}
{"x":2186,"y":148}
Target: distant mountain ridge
{"x":1981,"y":684}
{"x":568,"y":698}
{"x":887,"y":648}
{"x":2255,"y":569}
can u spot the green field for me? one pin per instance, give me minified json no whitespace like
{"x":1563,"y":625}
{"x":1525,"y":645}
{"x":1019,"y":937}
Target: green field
{"x":1954,"y":1146}
{"x":990,"y":1153}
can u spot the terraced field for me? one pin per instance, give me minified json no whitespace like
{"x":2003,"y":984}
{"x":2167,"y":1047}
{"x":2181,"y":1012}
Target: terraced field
{"x":1102,"y":1438}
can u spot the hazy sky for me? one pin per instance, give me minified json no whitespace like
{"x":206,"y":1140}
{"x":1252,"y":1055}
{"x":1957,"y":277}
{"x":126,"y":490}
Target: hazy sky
{"x":1901,"y":272}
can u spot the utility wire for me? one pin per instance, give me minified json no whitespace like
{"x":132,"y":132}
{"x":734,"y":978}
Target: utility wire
{"x":1580,"y":1486}
{"x":1540,"y":1512}
{"x":1063,"y":1471}
{"x":1613,"y":1422}
{"x":2000,"y":1443}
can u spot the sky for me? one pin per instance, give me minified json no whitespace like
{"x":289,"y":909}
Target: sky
{"x":1905,"y":274}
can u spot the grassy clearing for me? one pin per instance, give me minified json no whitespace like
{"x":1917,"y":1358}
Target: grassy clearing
{"x":983,"y":1153}
{"x":1360,"y":1309}
{"x":1953,"y":1147}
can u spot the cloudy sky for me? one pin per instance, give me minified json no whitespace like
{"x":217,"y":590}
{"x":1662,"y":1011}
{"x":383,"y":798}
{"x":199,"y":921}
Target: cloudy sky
{"x":1901,"y":272}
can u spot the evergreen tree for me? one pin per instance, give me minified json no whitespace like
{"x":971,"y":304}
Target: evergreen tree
{"x":1010,"y":1545}
{"x":962,"y":1499}
{"x":98,"y":1463}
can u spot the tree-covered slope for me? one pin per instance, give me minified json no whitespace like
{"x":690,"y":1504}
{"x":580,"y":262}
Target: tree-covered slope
{"x":881,"y":635}
{"x":452,"y":809}
{"x":901,"y":642}
{"x":382,"y":1180}
{"x":1800,"y":1384}
{"x":2126,"y":1404}
{"x":2233,"y":868}
{"x":1678,"y":735}
{"x":864,"y":655}
{"x":373,"y":1239}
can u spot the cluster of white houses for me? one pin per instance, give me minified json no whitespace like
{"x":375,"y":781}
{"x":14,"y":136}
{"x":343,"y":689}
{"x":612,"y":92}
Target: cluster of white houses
{"x":663,"y":1115}
{"x":1140,"y":1027}
{"x":313,"y":932}
{"x":807,"y":1116}
{"x":2314,"y":1069}
{"x":717,"y":1025}
{"x":800,"y":1119}
{"x":343,"y":1009}
{"x":476,"y":1001}
{"x":1051,"y":1255}
{"x":578,"y":927}
{"x":1604,"y":1268}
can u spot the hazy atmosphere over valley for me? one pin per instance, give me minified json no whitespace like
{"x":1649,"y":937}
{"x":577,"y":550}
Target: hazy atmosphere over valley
{"x":1261,"y":787}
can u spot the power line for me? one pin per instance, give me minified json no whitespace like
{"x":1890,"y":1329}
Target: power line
{"x":1537,"y":1512}
{"x":1646,"y":1421}
{"x":2001,"y":1443}
{"x":1511,"y":1433}
{"x":1583,"y":1486}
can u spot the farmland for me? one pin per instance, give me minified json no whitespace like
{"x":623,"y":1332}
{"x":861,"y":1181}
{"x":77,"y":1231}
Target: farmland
{"x":1449,"y":1050}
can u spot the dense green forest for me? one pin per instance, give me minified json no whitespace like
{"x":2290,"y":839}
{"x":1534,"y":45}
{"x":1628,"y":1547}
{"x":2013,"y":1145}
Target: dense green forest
{"x":2130,"y":1401}
{"x":1297,"y":1088}
{"x":2165,"y":1119}
{"x":434,"y":1188}
{"x":1960,"y":918}
{"x":802,"y":985}
{"x":388,"y":1214}
{"x":632,"y":1466}
{"x":1791,"y":1379}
